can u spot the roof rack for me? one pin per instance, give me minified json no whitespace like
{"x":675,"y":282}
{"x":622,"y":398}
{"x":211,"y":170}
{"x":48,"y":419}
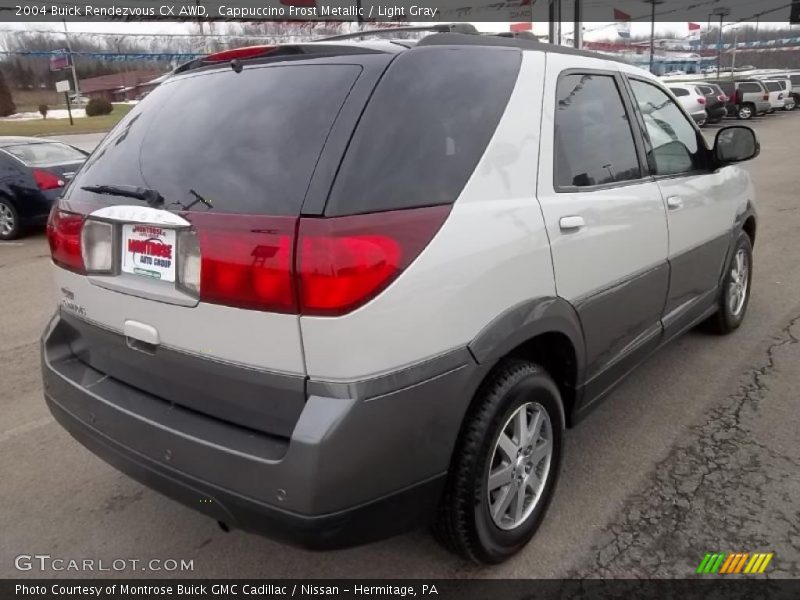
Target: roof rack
{"x":438,"y":28}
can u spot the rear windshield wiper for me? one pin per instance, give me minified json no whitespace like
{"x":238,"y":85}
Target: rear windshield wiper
{"x":152,"y":197}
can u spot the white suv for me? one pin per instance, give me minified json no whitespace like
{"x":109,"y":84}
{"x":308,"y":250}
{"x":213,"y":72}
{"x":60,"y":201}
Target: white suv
{"x":332,"y":291}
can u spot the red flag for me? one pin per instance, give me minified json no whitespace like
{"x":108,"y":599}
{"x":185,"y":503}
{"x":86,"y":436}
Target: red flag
{"x":694,"y":26}
{"x":521,"y":26}
{"x":621,"y":16}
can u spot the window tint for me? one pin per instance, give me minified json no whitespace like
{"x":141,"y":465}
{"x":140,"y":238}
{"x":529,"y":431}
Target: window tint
{"x":593,"y":139}
{"x":750,"y":88}
{"x":704,"y":89}
{"x":679,"y":91}
{"x":795,"y":79}
{"x":37,"y":155}
{"x":424,"y":130}
{"x":774,"y":86}
{"x":246,"y":142}
{"x":675,"y":143}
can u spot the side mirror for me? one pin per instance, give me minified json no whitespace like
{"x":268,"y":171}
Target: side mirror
{"x":735,"y":144}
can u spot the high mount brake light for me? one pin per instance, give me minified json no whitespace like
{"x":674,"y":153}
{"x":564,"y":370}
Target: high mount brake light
{"x":240,"y":53}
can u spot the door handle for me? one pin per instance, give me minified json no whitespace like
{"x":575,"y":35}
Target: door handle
{"x":674,"y":202}
{"x":571,"y":223}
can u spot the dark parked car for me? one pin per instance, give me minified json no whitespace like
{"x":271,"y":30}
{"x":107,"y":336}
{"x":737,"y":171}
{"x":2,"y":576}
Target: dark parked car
{"x":33,"y":173}
{"x":715,"y":101}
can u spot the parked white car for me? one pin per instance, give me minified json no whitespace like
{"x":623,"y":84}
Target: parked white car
{"x":692,"y":99}
{"x":776,"y":94}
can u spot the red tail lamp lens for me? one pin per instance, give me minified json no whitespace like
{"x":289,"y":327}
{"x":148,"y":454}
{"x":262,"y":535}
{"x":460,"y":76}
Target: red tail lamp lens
{"x":246,"y":261}
{"x":344,"y":262}
{"x":46,"y":180}
{"x":64,"y":237}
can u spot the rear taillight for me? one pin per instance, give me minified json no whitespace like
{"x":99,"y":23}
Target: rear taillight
{"x":346,"y":261}
{"x":246,"y":261}
{"x":701,"y":100}
{"x":310,"y":266}
{"x":722,"y":98}
{"x":46,"y":180}
{"x":64,"y":236}
{"x":307,"y":265}
{"x":765,"y":97}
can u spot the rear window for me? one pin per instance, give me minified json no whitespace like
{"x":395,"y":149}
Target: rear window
{"x":679,"y":91}
{"x":38,"y":155}
{"x":795,"y":79}
{"x":774,"y":86}
{"x":425,"y":128}
{"x":245,"y":142}
{"x":705,"y":89}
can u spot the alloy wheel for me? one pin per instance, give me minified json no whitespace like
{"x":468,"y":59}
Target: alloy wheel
{"x":739,"y":280}
{"x":7,"y":220}
{"x":519,"y":466}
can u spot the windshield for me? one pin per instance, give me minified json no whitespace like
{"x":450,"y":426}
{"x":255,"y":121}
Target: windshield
{"x":242,"y":142}
{"x":46,"y":153}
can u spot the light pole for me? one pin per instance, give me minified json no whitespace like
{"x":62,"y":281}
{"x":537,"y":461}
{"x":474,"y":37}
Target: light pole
{"x":652,"y":4}
{"x":733,"y":54}
{"x":722,"y":12}
{"x":577,"y":29}
{"x":72,"y":62}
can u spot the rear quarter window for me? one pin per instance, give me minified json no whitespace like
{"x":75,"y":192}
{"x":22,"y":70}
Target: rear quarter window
{"x":750,"y":88}
{"x":774,"y":86}
{"x":679,"y":91}
{"x":425,"y":129}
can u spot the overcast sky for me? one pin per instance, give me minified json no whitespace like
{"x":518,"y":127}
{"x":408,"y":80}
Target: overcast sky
{"x":593,"y":30}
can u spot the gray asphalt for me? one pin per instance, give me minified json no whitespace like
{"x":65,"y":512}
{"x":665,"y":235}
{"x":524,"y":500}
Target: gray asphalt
{"x":697,"y":451}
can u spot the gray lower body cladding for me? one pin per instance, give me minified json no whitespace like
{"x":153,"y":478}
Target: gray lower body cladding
{"x":354,"y":469}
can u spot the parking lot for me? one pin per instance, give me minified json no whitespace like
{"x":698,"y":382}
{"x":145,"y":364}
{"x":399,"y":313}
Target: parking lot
{"x":696,"y":452}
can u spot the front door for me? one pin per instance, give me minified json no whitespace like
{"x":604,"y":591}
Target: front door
{"x":605,"y":218}
{"x":701,"y":204}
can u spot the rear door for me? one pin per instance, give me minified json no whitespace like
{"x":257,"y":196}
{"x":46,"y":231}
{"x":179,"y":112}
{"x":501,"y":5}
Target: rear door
{"x":701,"y":203}
{"x":233,"y":155}
{"x":604,"y":215}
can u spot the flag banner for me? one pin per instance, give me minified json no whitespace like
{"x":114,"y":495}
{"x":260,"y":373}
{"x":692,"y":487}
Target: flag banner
{"x":521,"y":27}
{"x":623,"y":21}
{"x":60,"y":61}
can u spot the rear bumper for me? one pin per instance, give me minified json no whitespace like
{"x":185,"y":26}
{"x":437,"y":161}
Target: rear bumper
{"x":353,"y":471}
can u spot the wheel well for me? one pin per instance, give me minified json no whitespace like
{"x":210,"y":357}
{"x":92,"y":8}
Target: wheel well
{"x":749,"y":228}
{"x":555,"y":353}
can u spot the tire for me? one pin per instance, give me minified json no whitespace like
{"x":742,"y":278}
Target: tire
{"x":730,"y":313}
{"x":9,"y":221}
{"x":464,"y":523}
{"x":745,"y":112}
{"x":702,"y":123}
{"x":790,"y":107}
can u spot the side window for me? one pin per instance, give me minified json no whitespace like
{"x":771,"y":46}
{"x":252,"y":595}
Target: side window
{"x":675,"y":146}
{"x":590,"y":116}
{"x":750,"y":88}
{"x":679,"y":91}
